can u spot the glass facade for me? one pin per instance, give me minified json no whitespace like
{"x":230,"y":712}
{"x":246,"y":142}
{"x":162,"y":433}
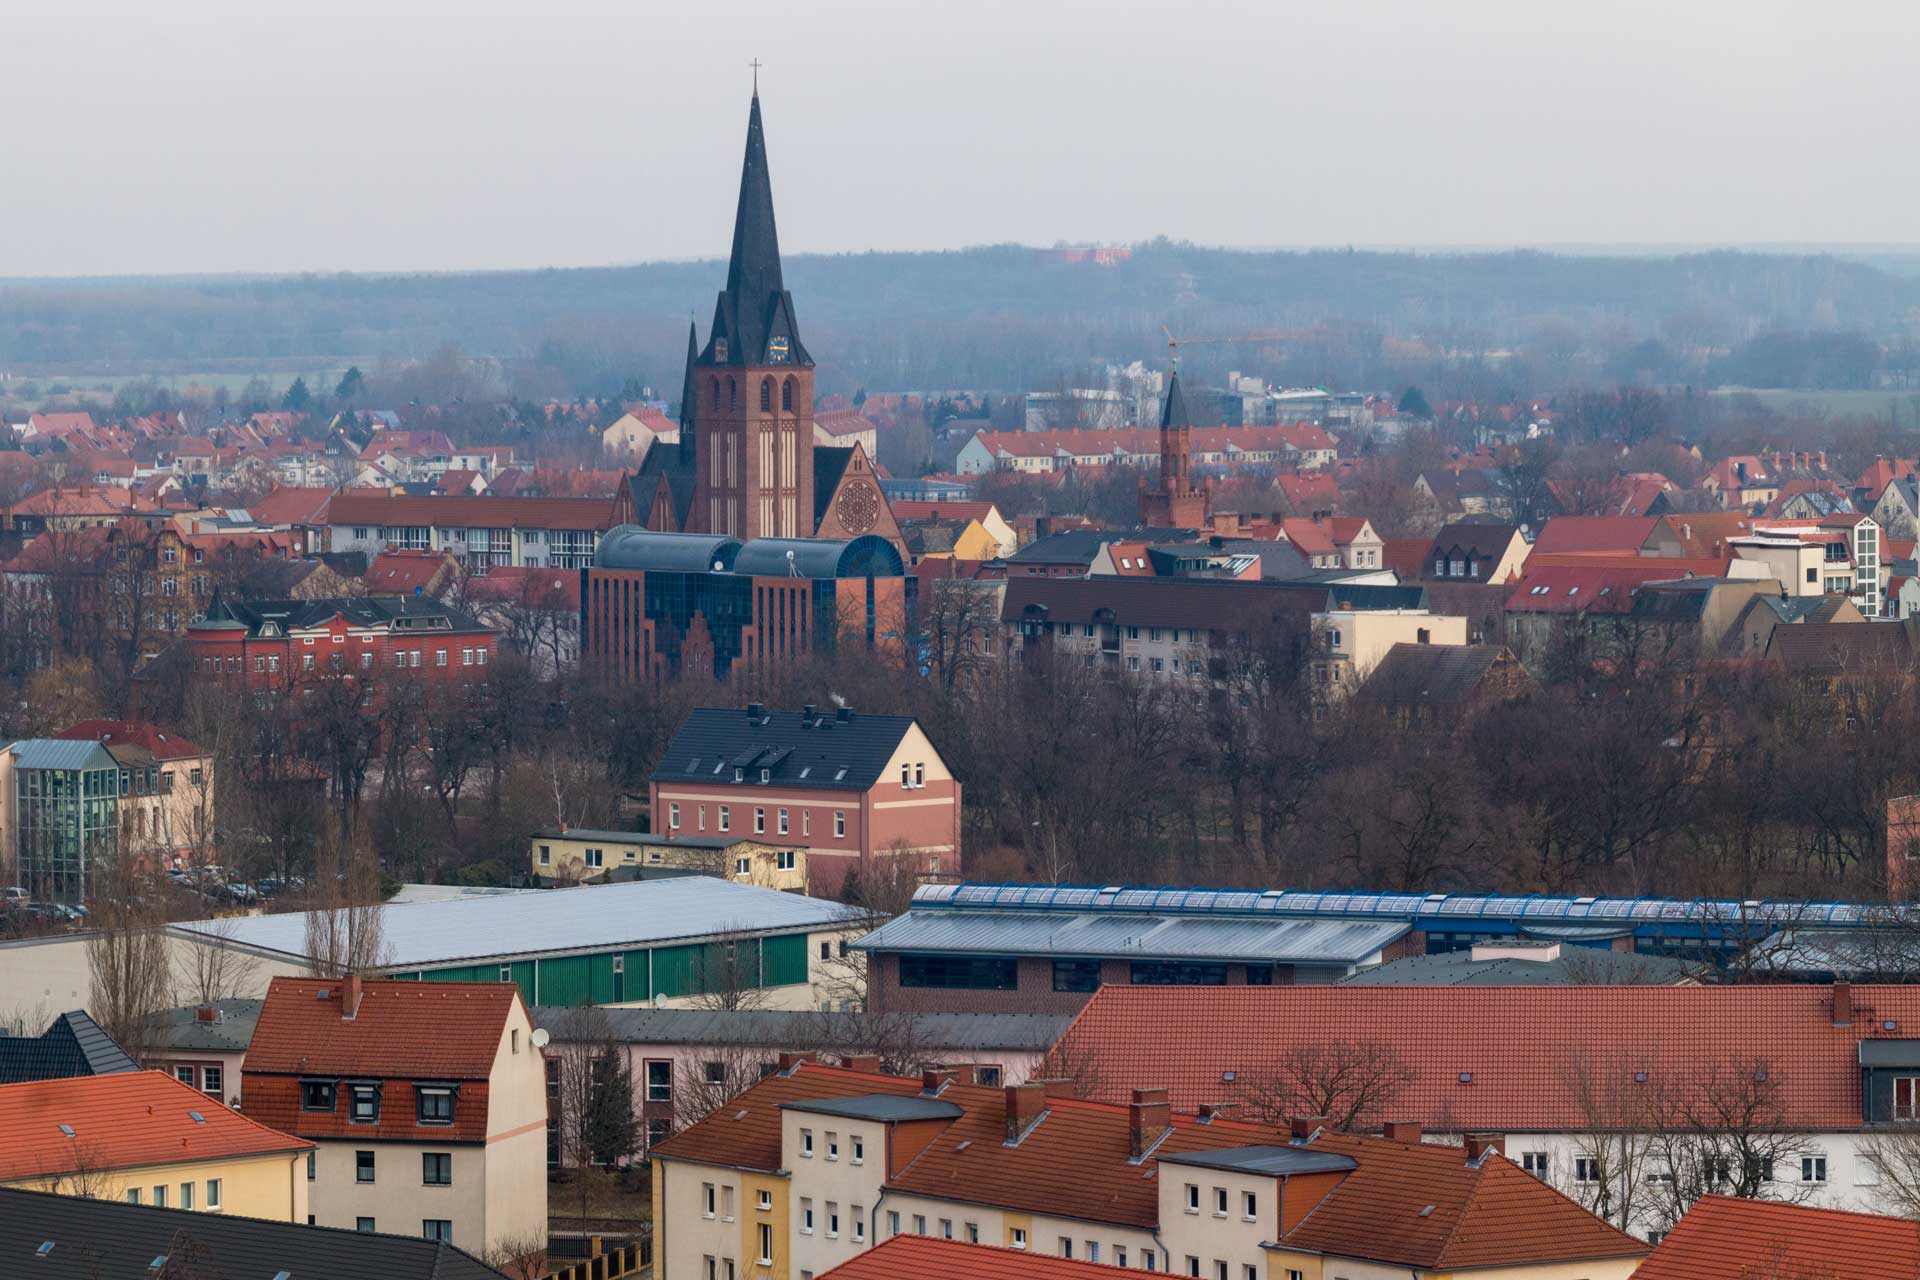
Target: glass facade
{"x":69,"y":823}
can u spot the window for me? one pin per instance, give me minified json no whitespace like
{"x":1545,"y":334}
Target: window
{"x":1147,"y":1261}
{"x":1813,"y":1168}
{"x":1535,"y":1163}
{"x":1293,"y":1274}
{"x":919,"y":1224}
{"x":160,"y":1197}
{"x":596,"y":858}
{"x":673,"y":815}
{"x":785,"y":859}
{"x":806,"y":822}
{"x":1219,"y":1269}
{"x":766,"y":1244}
{"x":858,"y":1215}
{"x":363,"y":1224}
{"x":1249,"y":1206}
{"x":1066,"y":1246}
{"x":726,"y":1203}
{"x":1017,"y":1237}
{"x":743,"y":866}
{"x":546,"y":855}
{"x":806,"y":1142}
{"x":806,"y":1216}
{"x":764,"y":1201}
{"x":919,"y":775}
{"x":184,"y":1075}
{"x":1119,"y":1255}
{"x":783,"y":821}
{"x":440,"y":1229}
{"x":893,"y":1222}
{"x":306,"y":662}
{"x":833,"y":1145}
{"x":839,"y":823}
{"x":1174,"y":973}
{"x":706,"y":1197}
{"x":439,"y":657}
{"x":1259,"y":975}
{"x":1193,"y":1265}
{"x":312,"y":1162}
{"x":1219,"y":1202}
{"x":1906,"y":1095}
{"x":973,"y":1233}
{"x":759,"y":821}
{"x":766,"y":395}
{"x":959,"y":973}
{"x":1093,"y":1251}
{"x":1586,"y":1170}
{"x":859,"y":1149}
{"x":713,"y":1072}
{"x":1193,"y":1198}
{"x":906,"y":776}
{"x":365,"y":1104}
{"x":725,"y":818}
{"x":659,"y":1081}
{"x":436,"y":1169}
{"x":833,"y":1220}
{"x":433,"y":1104}
{"x":363,"y":1166}
{"x":133,"y":1195}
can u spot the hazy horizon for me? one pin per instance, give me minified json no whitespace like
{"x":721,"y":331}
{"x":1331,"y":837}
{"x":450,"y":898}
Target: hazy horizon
{"x":217,"y":137}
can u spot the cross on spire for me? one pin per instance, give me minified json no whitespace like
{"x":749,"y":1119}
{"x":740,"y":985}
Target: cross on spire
{"x":755,"y":64}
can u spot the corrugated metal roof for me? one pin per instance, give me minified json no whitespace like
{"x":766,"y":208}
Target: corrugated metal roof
{"x":640,"y":913}
{"x":1141,"y":936}
{"x":796,"y":1029}
{"x":60,"y":753}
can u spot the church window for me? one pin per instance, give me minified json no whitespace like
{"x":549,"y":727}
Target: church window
{"x":786,"y":395}
{"x":733,"y":395}
{"x":766,"y":395}
{"x":716,"y":395}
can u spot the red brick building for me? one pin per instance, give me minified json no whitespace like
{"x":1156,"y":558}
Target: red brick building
{"x":844,"y":786}
{"x":276,"y":644}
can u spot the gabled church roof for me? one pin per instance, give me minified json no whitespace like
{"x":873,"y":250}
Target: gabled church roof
{"x":755,"y":309}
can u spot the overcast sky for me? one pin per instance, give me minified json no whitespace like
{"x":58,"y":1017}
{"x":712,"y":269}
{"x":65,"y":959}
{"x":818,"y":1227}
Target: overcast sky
{"x":233,"y":135}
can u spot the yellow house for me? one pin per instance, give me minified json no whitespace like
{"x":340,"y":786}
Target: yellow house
{"x":145,"y":1138}
{"x":573,"y":855}
{"x":950,"y":540}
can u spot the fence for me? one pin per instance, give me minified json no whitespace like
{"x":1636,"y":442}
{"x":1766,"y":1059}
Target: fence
{"x":613,"y":1264}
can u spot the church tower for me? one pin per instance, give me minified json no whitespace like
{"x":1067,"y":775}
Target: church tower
{"x":752,"y":384}
{"x":1173,"y":502}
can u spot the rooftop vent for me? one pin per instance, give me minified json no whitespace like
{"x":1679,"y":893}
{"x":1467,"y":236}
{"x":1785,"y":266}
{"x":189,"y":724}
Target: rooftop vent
{"x":1466,"y":1077}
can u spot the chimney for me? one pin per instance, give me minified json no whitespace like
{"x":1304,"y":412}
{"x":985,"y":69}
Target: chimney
{"x":1149,"y":1116}
{"x":1842,"y":1004}
{"x":844,"y":715}
{"x":1056,"y":1086}
{"x":934,"y":1079}
{"x":1211,"y":1111}
{"x":867,"y":1062}
{"x":806,"y":712}
{"x":350,"y":995}
{"x":1822,"y":456}
{"x":1302,"y":1128}
{"x":786,"y":1062}
{"x":1025,"y":1102}
{"x":755,"y":710}
{"x":1403,"y":1131}
{"x":1479,"y":1144}
{"x":206,"y":1013}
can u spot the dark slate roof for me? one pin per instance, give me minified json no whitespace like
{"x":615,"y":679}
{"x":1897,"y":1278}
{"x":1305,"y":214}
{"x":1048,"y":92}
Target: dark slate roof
{"x":1576,"y":967}
{"x":676,"y":467}
{"x":1162,"y":602}
{"x":1364,"y":596}
{"x":1795,"y":608}
{"x":74,"y":1045}
{"x":886,"y":1107}
{"x":1682,"y":601}
{"x":830,"y":462}
{"x":1832,"y":648}
{"x":230,"y":1032}
{"x":1485,"y":543}
{"x":1080,"y":546}
{"x":108,"y":1240}
{"x":688,"y":396}
{"x":822,"y":752}
{"x":755,"y":307}
{"x":1173,"y":413}
{"x":1431,"y":674}
{"x":1275,"y":1161}
{"x":804,"y":1028}
{"x":359,"y":611}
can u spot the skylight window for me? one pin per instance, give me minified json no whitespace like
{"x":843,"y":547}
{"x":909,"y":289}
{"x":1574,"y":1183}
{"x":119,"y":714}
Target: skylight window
{"x":46,"y":1247}
{"x":840,"y":774}
{"x":67,"y":1129}
{"x":197,"y":1117}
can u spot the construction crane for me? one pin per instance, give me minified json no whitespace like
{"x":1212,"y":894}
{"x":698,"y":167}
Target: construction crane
{"x":1173,"y":343}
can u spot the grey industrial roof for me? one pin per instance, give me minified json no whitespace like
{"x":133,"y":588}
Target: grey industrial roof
{"x":1576,"y":966}
{"x":800,"y":1028}
{"x":233,"y":1031}
{"x":61,"y":753}
{"x":628,"y":546}
{"x":1277,"y":1161}
{"x":74,"y":1045}
{"x":1143,"y":937}
{"x":108,"y":1240}
{"x":560,"y":921}
{"x":879,"y":1106}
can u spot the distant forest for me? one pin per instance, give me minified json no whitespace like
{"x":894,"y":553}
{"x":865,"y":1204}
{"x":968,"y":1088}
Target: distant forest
{"x":1010,"y":318}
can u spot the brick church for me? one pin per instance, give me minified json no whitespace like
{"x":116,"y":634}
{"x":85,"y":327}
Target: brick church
{"x":746,"y":465}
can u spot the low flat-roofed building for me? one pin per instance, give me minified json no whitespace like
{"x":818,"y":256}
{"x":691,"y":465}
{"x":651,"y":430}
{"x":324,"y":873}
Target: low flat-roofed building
{"x":575,"y":855}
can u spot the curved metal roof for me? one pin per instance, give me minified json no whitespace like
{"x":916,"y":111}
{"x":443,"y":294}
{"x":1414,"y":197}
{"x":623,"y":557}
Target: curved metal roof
{"x":819,"y":558}
{"x":629,"y":546}
{"x":1525,"y":908}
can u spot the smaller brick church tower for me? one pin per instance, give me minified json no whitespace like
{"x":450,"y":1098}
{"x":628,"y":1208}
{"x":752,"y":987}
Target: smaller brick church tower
{"x":1173,"y":502}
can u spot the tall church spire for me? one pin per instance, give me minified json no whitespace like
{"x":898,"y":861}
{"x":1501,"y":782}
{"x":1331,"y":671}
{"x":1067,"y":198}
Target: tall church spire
{"x":753,"y":320}
{"x":688,"y":395}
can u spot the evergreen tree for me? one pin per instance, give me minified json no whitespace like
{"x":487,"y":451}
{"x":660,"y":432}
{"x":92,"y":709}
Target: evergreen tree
{"x":1413,"y":403}
{"x":612,"y":1127}
{"x":860,"y":398}
{"x":352,"y":383}
{"x":297,"y":396}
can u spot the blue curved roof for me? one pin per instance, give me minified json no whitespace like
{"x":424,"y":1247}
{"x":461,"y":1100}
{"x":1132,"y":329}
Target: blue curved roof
{"x":1434,"y":907}
{"x":819,"y":558}
{"x":629,"y":546}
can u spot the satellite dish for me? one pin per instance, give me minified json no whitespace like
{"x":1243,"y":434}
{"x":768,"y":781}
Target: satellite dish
{"x":540,"y":1037}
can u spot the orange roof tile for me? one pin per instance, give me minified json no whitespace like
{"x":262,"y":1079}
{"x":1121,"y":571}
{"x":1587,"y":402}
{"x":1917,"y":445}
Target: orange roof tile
{"x":122,"y":1121}
{"x":417,"y":1030}
{"x":921,"y":1257}
{"x":1722,"y":1238}
{"x":1594,"y":533}
{"x":1186,"y":1038}
{"x":114,"y":733}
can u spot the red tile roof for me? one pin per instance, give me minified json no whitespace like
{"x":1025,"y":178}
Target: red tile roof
{"x":1076,"y":1162}
{"x":1722,"y":1238}
{"x":400,"y":1032}
{"x":407,"y":573}
{"x":366,"y":507}
{"x":924,"y":1257}
{"x":129,"y":1120}
{"x":904,"y":511}
{"x":1882,"y":472}
{"x":1597,"y":588}
{"x":534,"y":588}
{"x":1593,"y":533}
{"x":1184,"y":1039}
{"x":1406,"y":556}
{"x":114,"y":733}
{"x":1309,"y":490}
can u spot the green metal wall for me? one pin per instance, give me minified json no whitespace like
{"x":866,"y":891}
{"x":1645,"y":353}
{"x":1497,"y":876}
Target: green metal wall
{"x":658,"y":971}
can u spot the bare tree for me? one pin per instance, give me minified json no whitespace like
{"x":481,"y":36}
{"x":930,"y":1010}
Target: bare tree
{"x":1895,"y":1155}
{"x":597,"y":1122}
{"x":727,"y":974}
{"x":519,"y":1256}
{"x":722,"y":1073}
{"x":1612,"y":1165}
{"x":214,"y":967}
{"x":344,"y":926}
{"x":1724,"y":1131}
{"x":127,"y":958}
{"x":1347,"y":1083}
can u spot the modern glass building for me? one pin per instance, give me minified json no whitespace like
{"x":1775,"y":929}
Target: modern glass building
{"x":65,"y":819}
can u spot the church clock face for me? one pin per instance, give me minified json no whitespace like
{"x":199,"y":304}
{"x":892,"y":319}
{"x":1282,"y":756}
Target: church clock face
{"x":779,"y":350}
{"x":858,"y":506}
